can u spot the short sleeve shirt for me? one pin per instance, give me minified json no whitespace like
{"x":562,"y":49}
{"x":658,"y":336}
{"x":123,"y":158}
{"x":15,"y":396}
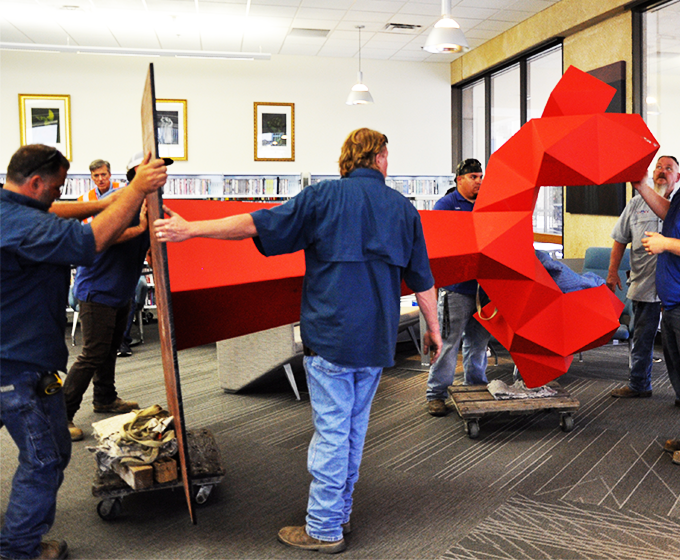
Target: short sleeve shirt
{"x":636,"y":219}
{"x":37,"y":251}
{"x":361,"y":239}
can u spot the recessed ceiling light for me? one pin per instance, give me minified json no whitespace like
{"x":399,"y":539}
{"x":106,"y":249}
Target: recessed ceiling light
{"x":302,"y":32}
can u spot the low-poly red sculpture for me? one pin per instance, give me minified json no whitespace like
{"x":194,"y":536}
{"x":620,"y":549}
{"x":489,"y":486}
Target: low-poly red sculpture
{"x":221,"y":290}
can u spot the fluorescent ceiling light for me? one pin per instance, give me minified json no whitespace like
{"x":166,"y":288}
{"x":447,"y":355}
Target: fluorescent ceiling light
{"x":135,"y":52}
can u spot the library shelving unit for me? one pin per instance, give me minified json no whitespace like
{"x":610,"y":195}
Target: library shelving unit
{"x":422,"y":190}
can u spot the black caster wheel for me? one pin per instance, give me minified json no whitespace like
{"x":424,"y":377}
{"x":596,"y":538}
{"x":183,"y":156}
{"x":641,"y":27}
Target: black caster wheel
{"x":567,"y":422}
{"x":110,"y":509}
{"x":472,"y":429}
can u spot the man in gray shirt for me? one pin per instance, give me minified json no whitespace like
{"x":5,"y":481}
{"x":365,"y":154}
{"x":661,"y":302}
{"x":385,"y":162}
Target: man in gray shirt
{"x":636,"y":219}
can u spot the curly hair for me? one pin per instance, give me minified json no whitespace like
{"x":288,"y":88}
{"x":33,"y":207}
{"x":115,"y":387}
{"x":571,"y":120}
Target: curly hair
{"x":360,"y":149}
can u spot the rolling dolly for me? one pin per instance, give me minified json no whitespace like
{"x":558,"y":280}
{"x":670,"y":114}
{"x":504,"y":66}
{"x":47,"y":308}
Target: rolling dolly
{"x":206,"y":472}
{"x":473,"y":402}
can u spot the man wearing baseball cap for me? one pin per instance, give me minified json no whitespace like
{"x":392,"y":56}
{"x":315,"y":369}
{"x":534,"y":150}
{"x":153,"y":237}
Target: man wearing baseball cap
{"x":457,"y":304}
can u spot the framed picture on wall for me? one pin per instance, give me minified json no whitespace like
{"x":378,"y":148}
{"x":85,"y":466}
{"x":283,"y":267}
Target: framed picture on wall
{"x":274,"y":131}
{"x":171,"y":122}
{"x":46,"y":119}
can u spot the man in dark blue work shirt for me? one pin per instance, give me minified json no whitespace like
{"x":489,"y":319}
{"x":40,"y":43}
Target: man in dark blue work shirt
{"x":37,"y":249}
{"x":457,"y":305}
{"x":360,"y":238}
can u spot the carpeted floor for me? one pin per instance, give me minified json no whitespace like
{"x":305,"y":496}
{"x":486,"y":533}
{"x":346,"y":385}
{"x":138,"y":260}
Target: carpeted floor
{"x":524,"y":489}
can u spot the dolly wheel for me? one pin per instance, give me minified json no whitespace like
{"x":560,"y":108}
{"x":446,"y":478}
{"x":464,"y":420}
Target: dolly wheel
{"x":567,"y":422}
{"x":110,"y":509}
{"x":472,"y":429}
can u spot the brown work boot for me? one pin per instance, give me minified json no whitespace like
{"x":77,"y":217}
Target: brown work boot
{"x":53,"y":550}
{"x":672,"y":445}
{"x":628,"y":393}
{"x":119,"y":405}
{"x":76,"y":433}
{"x":676,"y":457}
{"x":437,"y":407}
{"x":297,"y":537}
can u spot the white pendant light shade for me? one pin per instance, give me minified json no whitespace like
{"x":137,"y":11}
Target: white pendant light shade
{"x":359,"y":95}
{"x":446,"y":37}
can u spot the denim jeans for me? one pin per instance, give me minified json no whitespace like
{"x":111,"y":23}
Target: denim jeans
{"x":103,"y":327}
{"x":642,"y":354}
{"x":670,"y":335}
{"x":341,"y":400}
{"x":475,"y":337}
{"x":37,"y":424}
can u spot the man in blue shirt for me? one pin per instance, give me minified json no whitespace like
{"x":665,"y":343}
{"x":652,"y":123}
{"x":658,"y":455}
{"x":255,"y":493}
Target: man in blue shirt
{"x":37,"y":249}
{"x":457,"y":305}
{"x":104,"y":291}
{"x":360,"y":239}
{"x":667,"y":246}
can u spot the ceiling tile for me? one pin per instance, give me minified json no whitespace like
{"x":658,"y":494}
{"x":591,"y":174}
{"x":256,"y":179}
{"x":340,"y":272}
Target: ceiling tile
{"x":386,"y":6}
{"x":11,"y":34}
{"x":221,"y":24}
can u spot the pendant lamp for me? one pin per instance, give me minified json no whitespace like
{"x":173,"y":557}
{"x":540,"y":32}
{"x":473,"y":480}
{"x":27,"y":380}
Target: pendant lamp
{"x":446,"y":37}
{"x":359,"y":94}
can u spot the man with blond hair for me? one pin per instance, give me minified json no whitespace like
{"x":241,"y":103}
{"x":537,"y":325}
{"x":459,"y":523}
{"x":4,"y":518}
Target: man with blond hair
{"x":360,"y":238}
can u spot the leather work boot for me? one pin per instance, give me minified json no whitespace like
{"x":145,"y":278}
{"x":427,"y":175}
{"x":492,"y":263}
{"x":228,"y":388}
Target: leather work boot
{"x":76,"y":433}
{"x":672,"y":445}
{"x":53,"y":550}
{"x":119,"y":405}
{"x":297,"y":537}
{"x":437,"y":408}
{"x":676,"y":457}
{"x":628,"y":393}
{"x":346,"y":528}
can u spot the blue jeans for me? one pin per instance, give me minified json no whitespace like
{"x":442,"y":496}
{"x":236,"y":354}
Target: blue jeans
{"x":670,"y":335}
{"x":642,"y":354}
{"x":39,"y":429}
{"x":341,"y":400}
{"x":475,"y":337}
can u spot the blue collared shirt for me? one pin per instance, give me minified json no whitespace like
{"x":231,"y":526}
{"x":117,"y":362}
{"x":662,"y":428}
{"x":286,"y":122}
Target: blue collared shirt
{"x":361,"y":239}
{"x":457,"y":202}
{"x":37,"y":250}
{"x":668,"y":264}
{"x":112,"y":278}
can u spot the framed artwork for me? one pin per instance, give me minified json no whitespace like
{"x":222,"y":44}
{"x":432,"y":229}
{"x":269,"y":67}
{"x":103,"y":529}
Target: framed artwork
{"x":171,"y":122}
{"x":274,"y":131}
{"x":46,"y":119}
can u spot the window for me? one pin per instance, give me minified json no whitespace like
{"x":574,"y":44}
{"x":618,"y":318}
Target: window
{"x":474,"y":134}
{"x":660,"y":104}
{"x":494,"y":106}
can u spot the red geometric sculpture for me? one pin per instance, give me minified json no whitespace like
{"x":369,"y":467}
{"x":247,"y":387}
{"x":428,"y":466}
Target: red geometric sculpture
{"x":573,"y":143}
{"x":221,"y":290}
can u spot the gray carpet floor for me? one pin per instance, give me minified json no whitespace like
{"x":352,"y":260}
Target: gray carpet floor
{"x":524,"y":489}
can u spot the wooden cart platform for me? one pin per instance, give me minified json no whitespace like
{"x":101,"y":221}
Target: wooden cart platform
{"x":206,"y":472}
{"x":473,"y":402}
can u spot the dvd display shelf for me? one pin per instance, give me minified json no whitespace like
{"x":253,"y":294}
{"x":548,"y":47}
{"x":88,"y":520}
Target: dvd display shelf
{"x":422,"y":190}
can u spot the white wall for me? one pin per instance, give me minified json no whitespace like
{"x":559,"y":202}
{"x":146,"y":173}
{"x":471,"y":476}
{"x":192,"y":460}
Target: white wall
{"x":412,"y":107}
